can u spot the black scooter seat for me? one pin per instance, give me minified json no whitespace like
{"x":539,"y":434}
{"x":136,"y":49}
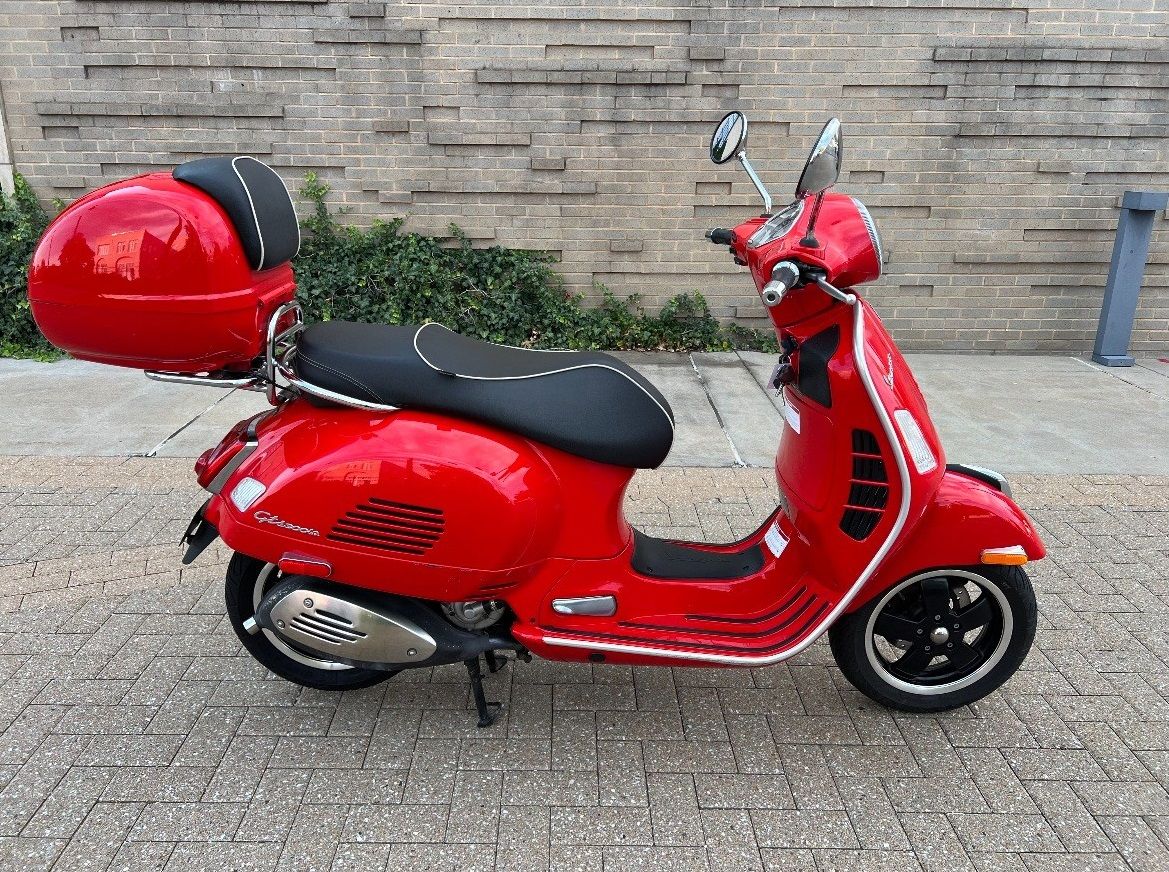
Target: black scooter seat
{"x":586,"y":403}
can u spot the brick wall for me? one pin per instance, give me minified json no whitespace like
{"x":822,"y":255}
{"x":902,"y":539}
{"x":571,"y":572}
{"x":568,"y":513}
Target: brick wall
{"x":991,"y":138}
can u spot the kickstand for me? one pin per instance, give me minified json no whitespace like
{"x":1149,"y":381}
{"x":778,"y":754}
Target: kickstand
{"x":494,"y":661}
{"x":486,"y":715}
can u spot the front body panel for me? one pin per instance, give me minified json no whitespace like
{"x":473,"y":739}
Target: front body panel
{"x":965,"y":517}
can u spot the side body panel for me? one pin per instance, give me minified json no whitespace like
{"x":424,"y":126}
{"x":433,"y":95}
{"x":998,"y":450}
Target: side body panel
{"x":838,"y":475}
{"x":419,"y":504}
{"x":767,"y":611}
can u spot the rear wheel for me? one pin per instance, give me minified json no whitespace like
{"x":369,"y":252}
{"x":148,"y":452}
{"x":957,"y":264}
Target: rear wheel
{"x":247,"y":581}
{"x":939,"y":640}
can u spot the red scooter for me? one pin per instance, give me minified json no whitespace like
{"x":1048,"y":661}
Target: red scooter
{"x":415,"y":497}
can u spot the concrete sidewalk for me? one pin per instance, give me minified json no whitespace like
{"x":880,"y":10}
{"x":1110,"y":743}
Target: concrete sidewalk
{"x":1018,"y":414}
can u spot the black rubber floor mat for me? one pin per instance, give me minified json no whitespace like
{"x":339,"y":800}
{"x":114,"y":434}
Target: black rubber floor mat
{"x":658,"y":558}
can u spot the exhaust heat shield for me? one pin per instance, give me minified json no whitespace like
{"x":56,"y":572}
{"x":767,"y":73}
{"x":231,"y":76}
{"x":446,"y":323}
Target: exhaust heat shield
{"x":362,"y":628}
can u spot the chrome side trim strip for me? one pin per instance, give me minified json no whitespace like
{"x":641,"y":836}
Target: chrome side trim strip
{"x":982,"y":471}
{"x":599,"y":606}
{"x":858,"y":351}
{"x":251,"y":443}
{"x":232,"y":466}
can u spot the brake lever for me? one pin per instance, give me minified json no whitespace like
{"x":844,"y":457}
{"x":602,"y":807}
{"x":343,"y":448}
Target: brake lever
{"x":834,"y":292}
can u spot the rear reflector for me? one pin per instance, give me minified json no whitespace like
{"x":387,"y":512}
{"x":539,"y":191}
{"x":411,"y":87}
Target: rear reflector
{"x":300,"y":564}
{"x":1013,"y":555}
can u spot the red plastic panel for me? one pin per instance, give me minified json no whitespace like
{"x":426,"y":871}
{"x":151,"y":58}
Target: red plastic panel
{"x":420,"y":504}
{"x":965,"y":517}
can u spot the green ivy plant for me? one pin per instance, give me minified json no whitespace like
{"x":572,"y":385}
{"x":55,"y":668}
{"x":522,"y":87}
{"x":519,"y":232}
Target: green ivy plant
{"x":383,"y":275}
{"x":506,"y":295}
{"x":22,"y":221}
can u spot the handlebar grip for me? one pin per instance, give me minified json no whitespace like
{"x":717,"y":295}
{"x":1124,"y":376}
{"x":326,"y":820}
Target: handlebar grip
{"x":784,"y":277}
{"x":721,"y":236}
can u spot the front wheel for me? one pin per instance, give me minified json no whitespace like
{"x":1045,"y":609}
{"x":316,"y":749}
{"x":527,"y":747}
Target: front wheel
{"x":938,"y":640}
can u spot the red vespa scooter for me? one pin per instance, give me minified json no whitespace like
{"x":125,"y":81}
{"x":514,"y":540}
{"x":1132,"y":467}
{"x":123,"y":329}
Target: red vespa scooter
{"x":415,"y":497}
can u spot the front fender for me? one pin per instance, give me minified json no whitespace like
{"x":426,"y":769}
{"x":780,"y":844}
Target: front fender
{"x":965,"y":517}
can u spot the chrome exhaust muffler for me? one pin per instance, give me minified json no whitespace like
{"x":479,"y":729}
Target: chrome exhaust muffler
{"x":363,"y":628}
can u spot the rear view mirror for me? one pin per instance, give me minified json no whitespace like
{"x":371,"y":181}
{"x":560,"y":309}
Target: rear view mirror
{"x":823,"y":166}
{"x":730,"y":137}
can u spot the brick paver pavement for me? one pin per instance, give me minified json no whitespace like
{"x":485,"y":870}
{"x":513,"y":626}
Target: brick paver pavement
{"x":137,"y":734}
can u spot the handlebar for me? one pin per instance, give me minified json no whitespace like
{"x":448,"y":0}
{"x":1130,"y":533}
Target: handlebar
{"x":785,"y":275}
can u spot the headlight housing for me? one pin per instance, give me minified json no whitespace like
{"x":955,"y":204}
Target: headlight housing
{"x":874,"y":237}
{"x":778,"y":225}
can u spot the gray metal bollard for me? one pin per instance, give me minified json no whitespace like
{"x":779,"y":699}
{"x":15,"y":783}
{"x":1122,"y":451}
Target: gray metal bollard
{"x":1130,"y":252}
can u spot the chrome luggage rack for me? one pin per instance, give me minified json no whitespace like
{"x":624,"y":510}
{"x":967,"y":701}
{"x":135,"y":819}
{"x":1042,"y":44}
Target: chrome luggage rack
{"x":279,"y":351}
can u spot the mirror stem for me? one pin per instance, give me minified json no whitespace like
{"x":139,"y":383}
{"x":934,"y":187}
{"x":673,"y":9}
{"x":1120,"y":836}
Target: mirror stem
{"x":810,"y":240}
{"x":757,"y":182}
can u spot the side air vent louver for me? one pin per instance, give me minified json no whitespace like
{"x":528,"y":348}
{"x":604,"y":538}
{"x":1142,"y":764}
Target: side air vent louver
{"x":390,"y":526}
{"x":868,"y":491}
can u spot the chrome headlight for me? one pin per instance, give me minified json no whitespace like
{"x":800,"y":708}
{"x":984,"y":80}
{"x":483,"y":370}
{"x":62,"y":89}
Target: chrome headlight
{"x":778,"y":225}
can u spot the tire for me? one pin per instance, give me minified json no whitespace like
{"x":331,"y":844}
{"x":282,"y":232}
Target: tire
{"x":247,"y":579}
{"x":894,"y":651}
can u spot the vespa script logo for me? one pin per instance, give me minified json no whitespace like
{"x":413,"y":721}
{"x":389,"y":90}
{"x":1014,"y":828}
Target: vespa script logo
{"x":276,"y":520}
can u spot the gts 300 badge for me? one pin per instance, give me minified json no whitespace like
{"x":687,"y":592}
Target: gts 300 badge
{"x":269,"y":518}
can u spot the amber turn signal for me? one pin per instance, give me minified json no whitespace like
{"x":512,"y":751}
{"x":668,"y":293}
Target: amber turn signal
{"x":1013,"y":555}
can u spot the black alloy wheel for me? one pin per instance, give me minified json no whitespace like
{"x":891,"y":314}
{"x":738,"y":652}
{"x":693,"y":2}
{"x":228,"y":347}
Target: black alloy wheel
{"x":939,"y":639}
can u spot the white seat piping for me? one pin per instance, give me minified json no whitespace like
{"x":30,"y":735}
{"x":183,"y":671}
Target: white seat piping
{"x":624,"y":375}
{"x":252,"y":203}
